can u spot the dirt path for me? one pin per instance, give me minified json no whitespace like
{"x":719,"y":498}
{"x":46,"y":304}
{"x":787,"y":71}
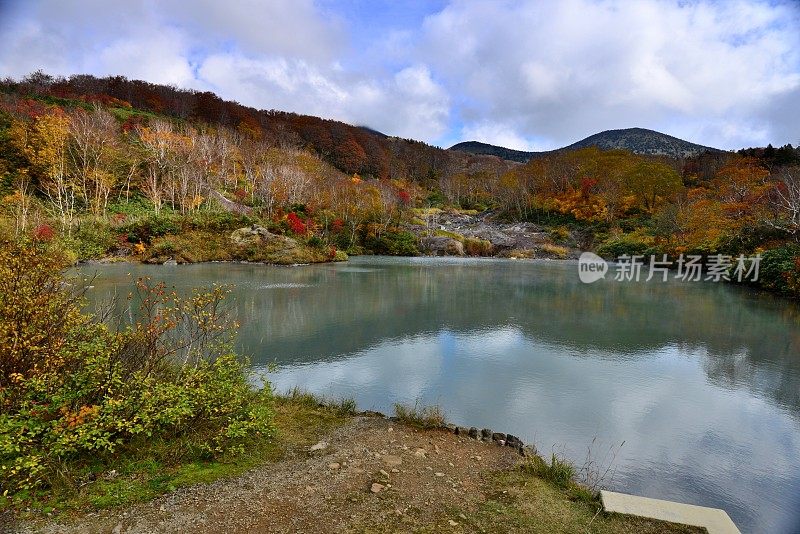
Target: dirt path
{"x":371,"y":474}
{"x":421,"y":473}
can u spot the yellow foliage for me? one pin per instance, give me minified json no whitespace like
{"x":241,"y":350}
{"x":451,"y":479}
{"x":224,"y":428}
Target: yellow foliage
{"x":584,"y":207}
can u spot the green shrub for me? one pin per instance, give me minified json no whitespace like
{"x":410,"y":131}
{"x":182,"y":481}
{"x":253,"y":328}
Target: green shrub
{"x":560,"y":234}
{"x":136,"y":205}
{"x":780,"y":270}
{"x":216,"y":220}
{"x":315,"y":241}
{"x":77,"y":392}
{"x":393,"y":244}
{"x":626,"y":244}
{"x":91,"y":239}
{"x":145,"y":229}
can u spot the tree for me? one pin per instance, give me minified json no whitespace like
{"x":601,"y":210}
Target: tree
{"x":93,"y":153}
{"x":785,"y":199}
{"x":652,"y":181}
{"x":44,"y":143}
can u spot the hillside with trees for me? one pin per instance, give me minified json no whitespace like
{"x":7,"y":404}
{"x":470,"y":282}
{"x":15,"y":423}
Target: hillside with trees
{"x":110,"y":167}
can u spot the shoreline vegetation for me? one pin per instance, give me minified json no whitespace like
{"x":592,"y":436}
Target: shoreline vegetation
{"x":115,"y":168}
{"x":98,"y":418}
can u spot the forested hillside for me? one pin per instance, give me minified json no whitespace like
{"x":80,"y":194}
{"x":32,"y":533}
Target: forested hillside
{"x":110,"y":166}
{"x":635,"y":140}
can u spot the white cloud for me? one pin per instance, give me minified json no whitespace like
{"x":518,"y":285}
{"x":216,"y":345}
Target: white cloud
{"x":570,"y":68}
{"x":525,"y":74}
{"x":409,"y":104}
{"x":499,"y":134}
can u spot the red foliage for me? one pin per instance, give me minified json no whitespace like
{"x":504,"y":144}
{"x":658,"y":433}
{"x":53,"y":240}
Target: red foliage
{"x":337,"y":225}
{"x":240,"y":194}
{"x":24,"y":107}
{"x":131,"y":123}
{"x":296,"y":224}
{"x":332,"y":253}
{"x":587,"y":184}
{"x":44,"y":232}
{"x":105,"y":100}
{"x":404,"y":196}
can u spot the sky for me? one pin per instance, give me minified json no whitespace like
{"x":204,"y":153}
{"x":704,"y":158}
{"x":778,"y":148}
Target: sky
{"x":529,"y":75}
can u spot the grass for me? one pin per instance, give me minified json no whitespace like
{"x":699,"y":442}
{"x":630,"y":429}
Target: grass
{"x":145,"y":474}
{"x":558,"y":472}
{"x":521,"y":501}
{"x":452,"y":235}
{"x":420,"y":417}
{"x":555,"y":250}
{"x":297,"y":396}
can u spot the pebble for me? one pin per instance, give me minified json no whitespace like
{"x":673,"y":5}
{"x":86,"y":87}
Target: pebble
{"x":452,"y":523}
{"x":377,"y":488}
{"x":420,"y":453}
{"x":439,"y":474}
{"x":334,"y":465}
{"x":321,"y":446}
{"x":384,"y":473}
{"x":392,"y":460}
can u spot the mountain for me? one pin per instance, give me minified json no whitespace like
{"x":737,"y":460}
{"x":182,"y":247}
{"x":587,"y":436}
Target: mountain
{"x":636,"y":140}
{"x":476,"y":147}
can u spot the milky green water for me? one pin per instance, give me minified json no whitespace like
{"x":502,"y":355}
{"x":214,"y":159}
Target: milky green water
{"x":701,"y":381}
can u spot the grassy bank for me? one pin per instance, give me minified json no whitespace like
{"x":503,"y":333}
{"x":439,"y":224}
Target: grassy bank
{"x":144,"y":473}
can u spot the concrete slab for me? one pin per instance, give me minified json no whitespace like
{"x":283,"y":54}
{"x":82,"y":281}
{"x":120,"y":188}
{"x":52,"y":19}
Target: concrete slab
{"x":714,"y":520}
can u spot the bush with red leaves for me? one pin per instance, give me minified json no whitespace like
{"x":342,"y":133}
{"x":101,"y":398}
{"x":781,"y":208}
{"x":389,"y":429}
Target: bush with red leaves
{"x":296,"y":224}
{"x":44,"y":232}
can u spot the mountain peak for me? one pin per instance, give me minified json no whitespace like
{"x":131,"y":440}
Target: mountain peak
{"x":636,"y":140}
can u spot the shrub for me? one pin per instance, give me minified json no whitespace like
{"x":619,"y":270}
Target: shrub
{"x":780,"y":270}
{"x":475,"y":246}
{"x":217,"y":221}
{"x":555,"y":251}
{"x":296,"y":224}
{"x":560,"y":234}
{"x":92,"y":239}
{"x":73,"y":390}
{"x":393,"y":244}
{"x":626,"y":244}
{"x":44,"y":232}
{"x":145,"y":229}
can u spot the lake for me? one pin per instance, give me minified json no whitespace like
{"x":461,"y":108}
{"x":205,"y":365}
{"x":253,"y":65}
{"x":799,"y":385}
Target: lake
{"x":701,"y":381}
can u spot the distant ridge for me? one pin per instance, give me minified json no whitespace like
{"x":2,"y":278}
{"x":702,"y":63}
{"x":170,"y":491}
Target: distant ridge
{"x":636,"y":140}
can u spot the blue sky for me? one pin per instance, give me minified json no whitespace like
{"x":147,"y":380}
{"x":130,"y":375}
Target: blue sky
{"x":525,"y":74}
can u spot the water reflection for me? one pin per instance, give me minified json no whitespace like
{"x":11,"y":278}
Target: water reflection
{"x":702,"y":381}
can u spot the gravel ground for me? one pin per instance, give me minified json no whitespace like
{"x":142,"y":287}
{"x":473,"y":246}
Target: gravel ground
{"x":371,"y":474}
